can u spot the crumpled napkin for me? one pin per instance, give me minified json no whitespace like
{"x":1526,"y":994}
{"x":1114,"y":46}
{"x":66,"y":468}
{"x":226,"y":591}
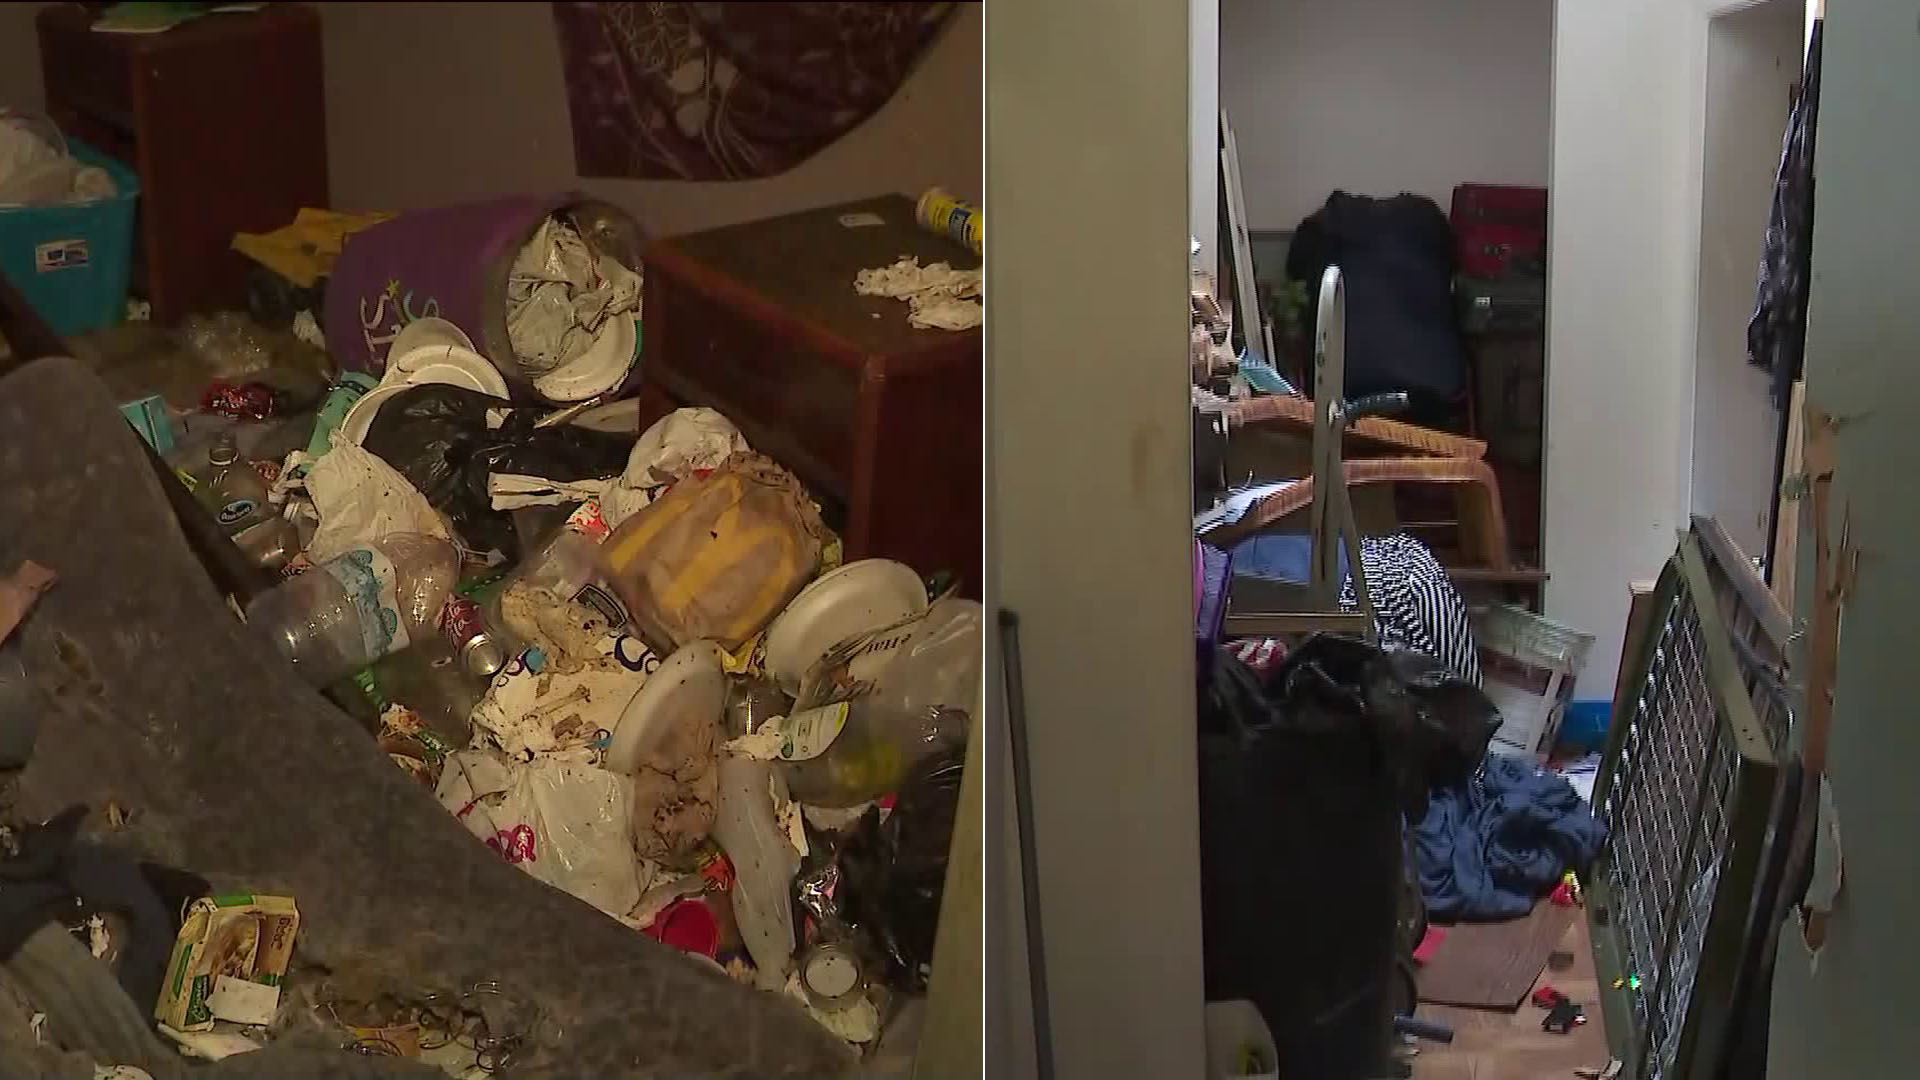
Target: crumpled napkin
{"x":938,"y":296}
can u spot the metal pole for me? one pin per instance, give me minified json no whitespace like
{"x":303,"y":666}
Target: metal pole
{"x":1029,"y":862}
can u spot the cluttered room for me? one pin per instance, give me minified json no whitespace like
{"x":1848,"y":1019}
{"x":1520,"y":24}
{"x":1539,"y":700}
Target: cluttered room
{"x":492,"y":567}
{"x":1522,"y":864}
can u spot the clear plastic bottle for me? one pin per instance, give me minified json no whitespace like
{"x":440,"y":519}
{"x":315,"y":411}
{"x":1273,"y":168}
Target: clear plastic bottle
{"x":232,"y":489}
{"x":430,"y":679}
{"x":370,"y":602}
{"x":848,"y":753}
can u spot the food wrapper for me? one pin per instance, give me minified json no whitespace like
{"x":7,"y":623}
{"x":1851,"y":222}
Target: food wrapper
{"x":716,"y":557}
{"x":228,"y":962}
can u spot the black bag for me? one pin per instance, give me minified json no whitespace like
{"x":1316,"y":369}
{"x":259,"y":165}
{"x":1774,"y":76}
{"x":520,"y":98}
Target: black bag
{"x":437,"y":437}
{"x":1303,"y":782}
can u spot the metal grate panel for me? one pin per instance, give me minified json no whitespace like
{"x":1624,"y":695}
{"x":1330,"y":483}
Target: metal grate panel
{"x":1686,"y":768}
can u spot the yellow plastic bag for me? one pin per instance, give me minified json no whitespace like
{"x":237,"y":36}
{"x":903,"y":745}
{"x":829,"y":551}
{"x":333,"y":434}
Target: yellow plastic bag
{"x":716,"y":557}
{"x":303,"y":251}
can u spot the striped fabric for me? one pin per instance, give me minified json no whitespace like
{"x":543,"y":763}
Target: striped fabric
{"x":1415,"y":606}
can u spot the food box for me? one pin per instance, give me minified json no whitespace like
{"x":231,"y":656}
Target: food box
{"x":228,"y":962}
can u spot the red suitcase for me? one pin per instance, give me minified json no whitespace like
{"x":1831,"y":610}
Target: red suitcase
{"x":1498,"y":228}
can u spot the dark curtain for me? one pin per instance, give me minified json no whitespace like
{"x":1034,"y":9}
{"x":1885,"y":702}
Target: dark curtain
{"x":714,"y":91}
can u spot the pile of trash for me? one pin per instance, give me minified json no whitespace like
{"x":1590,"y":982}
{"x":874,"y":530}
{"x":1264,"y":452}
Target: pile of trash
{"x":631,"y":662}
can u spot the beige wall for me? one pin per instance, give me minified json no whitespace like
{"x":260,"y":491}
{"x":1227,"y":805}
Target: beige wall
{"x":434,"y":103}
{"x":1090,"y":532}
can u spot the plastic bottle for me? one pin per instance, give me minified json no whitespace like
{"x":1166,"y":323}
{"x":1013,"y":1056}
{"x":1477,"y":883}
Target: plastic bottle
{"x":566,"y":567}
{"x":764,"y":863}
{"x":430,"y":679}
{"x":854,"y":751}
{"x":233,"y":490}
{"x":370,"y":602}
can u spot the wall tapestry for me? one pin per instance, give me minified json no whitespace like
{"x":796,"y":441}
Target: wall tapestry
{"x":714,"y":91}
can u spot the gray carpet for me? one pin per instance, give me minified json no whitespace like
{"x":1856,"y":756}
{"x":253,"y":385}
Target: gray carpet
{"x":155,"y":696}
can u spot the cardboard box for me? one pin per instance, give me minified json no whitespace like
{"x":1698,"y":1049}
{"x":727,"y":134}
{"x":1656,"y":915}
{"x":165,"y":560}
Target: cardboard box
{"x":228,"y":962}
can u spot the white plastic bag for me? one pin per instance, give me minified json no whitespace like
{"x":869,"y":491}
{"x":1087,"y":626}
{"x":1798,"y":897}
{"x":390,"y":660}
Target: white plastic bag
{"x":563,"y":822}
{"x":559,"y":293}
{"x":360,"y":499}
{"x":36,"y":168}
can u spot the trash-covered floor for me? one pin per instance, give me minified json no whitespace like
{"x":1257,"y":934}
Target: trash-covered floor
{"x":557,"y":743}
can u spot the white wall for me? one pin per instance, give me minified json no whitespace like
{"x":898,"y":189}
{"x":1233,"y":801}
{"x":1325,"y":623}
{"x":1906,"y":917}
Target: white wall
{"x":1203,"y":105}
{"x":1620,"y":288}
{"x":1381,"y":96}
{"x":1090,"y":124}
{"x":1629,"y":107}
{"x":1753,"y":62}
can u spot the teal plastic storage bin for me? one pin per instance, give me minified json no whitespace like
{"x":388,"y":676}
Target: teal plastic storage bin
{"x":72,"y":261}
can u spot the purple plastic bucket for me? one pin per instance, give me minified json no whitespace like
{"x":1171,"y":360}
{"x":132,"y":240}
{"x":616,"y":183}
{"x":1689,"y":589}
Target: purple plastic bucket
{"x":452,"y":262}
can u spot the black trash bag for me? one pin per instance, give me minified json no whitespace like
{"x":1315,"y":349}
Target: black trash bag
{"x":1304,"y":779}
{"x":893,"y":872}
{"x":437,"y":437}
{"x":1431,"y":726}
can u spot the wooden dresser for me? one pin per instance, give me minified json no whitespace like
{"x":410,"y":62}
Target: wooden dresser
{"x":224,"y":120}
{"x":883,"y":421}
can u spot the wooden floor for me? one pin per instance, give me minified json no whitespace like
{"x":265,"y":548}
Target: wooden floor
{"x":1492,"y":1045}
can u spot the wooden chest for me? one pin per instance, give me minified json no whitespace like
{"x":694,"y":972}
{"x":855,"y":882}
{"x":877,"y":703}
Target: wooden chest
{"x":223,"y":118}
{"x":883,"y":421}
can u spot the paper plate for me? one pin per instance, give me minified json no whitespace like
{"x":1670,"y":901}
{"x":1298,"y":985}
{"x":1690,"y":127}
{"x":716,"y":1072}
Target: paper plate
{"x":359,"y":419}
{"x":423,"y":332}
{"x":453,"y":365}
{"x":690,"y":683}
{"x":857,"y":598}
{"x":601,"y":368}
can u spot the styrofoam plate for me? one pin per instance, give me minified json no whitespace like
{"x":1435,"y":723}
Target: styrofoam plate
{"x":428,"y":331}
{"x":601,"y":368}
{"x":689,"y":686}
{"x":359,"y":419}
{"x":858,"y":598}
{"x":450,"y":364}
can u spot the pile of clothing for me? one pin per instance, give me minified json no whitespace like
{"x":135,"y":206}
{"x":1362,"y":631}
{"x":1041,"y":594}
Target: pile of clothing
{"x":1492,"y":844}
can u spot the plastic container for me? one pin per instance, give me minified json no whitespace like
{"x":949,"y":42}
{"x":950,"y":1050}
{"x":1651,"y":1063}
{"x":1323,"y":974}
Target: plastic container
{"x":1529,"y":666}
{"x":566,"y":566}
{"x":844,"y":754}
{"x":72,"y":261}
{"x":430,"y":679}
{"x":345,"y":614}
{"x":1238,"y":1042}
{"x":233,"y":491}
